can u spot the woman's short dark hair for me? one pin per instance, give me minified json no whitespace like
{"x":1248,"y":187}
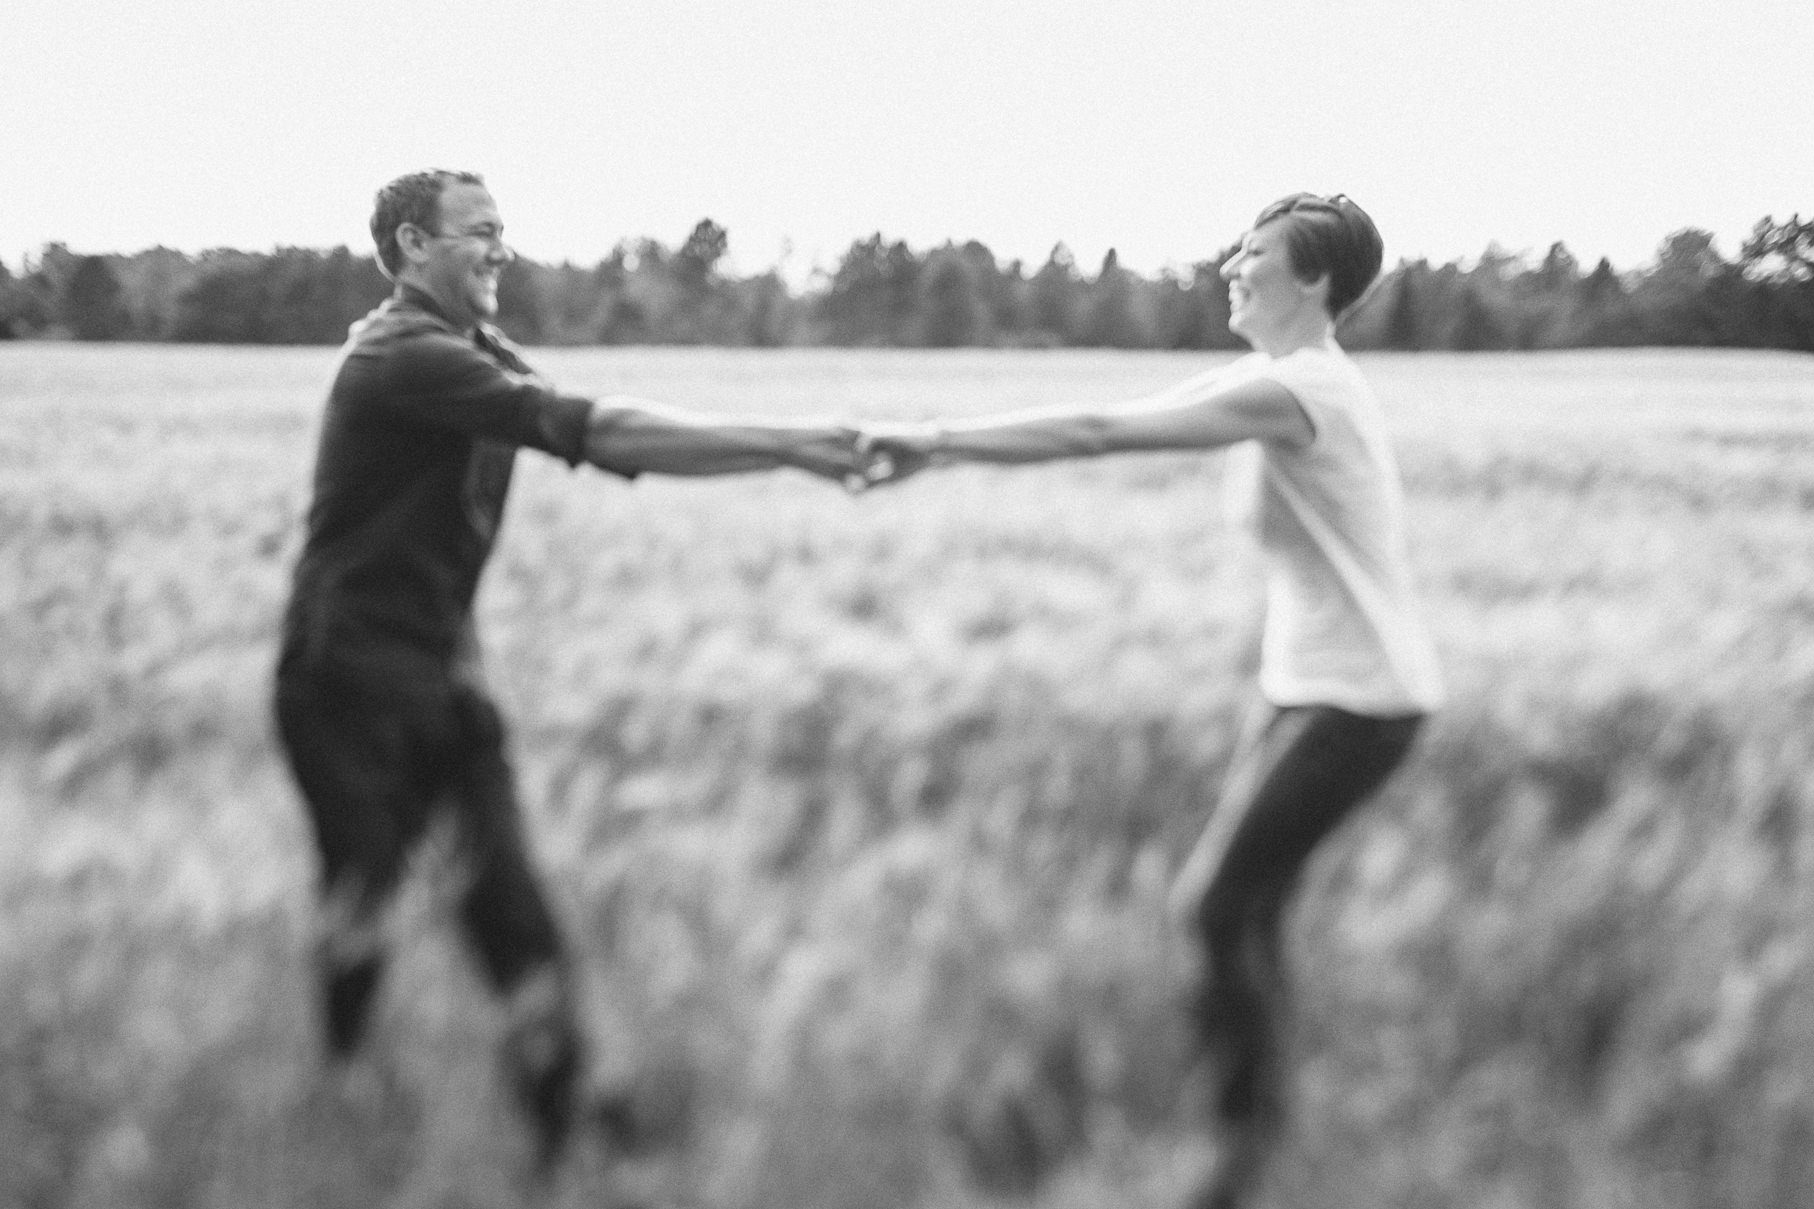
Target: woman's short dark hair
{"x":1329,"y":236}
{"x":413,"y":199}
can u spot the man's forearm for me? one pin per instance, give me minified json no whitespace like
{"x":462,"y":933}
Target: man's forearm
{"x":641,"y":437}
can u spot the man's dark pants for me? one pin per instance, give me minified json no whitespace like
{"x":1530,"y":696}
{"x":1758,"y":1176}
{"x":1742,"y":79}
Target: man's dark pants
{"x":378,"y":757}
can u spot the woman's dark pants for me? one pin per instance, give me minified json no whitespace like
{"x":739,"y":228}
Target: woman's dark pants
{"x":1299,"y":772}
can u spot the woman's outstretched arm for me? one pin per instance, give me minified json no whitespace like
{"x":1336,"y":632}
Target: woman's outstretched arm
{"x":1186,"y":417}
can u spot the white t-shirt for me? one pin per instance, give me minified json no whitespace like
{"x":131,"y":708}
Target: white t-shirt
{"x":1343,"y":625}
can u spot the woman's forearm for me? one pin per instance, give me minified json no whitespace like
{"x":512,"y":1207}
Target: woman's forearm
{"x":1024,"y":437}
{"x":1252,"y":410}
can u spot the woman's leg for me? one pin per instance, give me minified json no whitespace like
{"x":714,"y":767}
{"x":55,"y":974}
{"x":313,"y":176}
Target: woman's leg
{"x":1299,"y":773}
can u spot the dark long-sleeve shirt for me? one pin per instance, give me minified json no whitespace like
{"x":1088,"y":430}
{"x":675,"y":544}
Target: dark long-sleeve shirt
{"x":422,"y":427}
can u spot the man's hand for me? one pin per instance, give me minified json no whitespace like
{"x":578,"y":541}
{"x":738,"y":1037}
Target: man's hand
{"x":628,"y":434}
{"x":829,"y":452}
{"x":889,"y":453}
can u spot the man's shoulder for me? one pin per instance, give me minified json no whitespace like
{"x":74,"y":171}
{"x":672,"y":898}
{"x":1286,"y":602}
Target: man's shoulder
{"x":398,"y":322}
{"x":402,"y":346}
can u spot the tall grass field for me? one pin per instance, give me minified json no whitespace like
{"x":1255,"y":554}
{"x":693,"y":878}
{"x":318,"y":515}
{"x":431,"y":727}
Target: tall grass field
{"x":862,"y":811}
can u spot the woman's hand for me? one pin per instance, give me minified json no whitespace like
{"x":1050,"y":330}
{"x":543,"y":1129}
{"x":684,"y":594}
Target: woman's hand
{"x":889,"y":453}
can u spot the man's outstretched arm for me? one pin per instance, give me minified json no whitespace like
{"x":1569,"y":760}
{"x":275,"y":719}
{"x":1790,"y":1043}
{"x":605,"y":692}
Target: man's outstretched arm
{"x":629,"y":435}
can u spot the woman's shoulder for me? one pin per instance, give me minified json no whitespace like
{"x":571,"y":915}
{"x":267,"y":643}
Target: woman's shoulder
{"x":1325,"y":368}
{"x":1317,"y":358}
{"x":1216,"y":378}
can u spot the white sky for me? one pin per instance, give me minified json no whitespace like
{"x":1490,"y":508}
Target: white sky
{"x":1155,"y":126}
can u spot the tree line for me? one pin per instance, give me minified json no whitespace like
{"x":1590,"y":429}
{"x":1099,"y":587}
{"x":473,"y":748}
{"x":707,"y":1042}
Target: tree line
{"x":883,"y":293}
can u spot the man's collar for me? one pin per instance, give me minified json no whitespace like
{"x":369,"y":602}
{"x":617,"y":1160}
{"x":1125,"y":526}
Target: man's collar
{"x":416,"y":296}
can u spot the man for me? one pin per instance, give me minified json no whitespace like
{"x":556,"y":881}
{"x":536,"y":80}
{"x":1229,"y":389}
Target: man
{"x":380,"y":704}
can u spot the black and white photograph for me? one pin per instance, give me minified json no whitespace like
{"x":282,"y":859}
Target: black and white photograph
{"x":946,"y":605}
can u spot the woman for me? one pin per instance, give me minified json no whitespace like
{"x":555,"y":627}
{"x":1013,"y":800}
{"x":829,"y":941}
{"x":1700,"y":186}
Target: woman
{"x":1347,"y":668}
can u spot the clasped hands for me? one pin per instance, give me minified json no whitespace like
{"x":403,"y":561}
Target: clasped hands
{"x":869,"y":455}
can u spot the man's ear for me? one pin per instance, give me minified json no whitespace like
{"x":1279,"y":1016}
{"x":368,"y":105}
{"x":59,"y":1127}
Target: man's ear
{"x":412,"y":241}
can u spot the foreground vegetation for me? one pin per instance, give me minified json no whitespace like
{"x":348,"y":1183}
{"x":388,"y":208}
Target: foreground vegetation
{"x":862,"y":810}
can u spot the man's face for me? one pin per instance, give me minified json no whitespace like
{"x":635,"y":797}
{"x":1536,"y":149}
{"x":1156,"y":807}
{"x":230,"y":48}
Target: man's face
{"x":464,"y":255}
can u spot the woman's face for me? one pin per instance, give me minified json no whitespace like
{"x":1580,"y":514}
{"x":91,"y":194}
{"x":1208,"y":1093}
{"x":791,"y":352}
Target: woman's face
{"x":1263,"y":289}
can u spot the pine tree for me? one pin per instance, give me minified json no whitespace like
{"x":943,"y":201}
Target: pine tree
{"x":1056,"y":292}
{"x":1477,"y":327}
{"x":92,"y":307}
{"x":952,"y":314}
{"x":1404,"y":323}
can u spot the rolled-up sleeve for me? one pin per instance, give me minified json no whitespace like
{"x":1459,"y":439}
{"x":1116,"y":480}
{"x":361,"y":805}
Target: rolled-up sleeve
{"x":438,"y":379}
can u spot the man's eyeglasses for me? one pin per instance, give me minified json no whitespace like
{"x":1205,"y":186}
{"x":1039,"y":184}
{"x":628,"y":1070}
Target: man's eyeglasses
{"x":487,"y":235}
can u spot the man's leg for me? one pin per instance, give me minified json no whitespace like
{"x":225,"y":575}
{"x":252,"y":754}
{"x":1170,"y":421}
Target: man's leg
{"x":513,"y":931}
{"x":353,"y":769}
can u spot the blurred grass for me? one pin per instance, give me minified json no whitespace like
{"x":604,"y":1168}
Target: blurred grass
{"x":862,"y":811}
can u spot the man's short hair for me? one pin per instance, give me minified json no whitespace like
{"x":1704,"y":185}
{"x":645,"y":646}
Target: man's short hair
{"x":413,"y":199}
{"x":1333,"y":236}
